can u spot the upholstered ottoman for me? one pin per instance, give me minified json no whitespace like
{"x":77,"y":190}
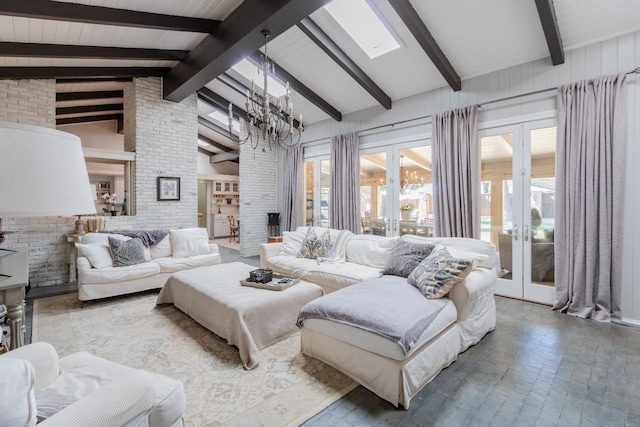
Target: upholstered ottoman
{"x":246,"y":317}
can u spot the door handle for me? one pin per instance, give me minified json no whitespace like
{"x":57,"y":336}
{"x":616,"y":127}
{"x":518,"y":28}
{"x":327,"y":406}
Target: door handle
{"x":388,"y":222}
{"x":515,"y":231}
{"x":526,"y":233}
{"x":395,"y":225}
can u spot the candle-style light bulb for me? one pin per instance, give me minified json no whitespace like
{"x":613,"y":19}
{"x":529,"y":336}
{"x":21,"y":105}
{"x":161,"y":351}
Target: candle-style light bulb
{"x":230,"y":111}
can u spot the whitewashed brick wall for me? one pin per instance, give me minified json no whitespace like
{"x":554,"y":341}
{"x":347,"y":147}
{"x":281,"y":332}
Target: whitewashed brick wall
{"x":258,"y":185}
{"x":162,"y":133}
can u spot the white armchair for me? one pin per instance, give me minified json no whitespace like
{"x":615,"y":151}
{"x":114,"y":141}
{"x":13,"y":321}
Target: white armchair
{"x":108,"y":394}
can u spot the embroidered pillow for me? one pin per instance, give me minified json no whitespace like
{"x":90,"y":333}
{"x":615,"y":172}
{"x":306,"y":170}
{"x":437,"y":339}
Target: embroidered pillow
{"x":405,"y":257}
{"x":313,"y":246}
{"x":129,"y":252}
{"x":438,"y":273}
{"x":338,"y":251}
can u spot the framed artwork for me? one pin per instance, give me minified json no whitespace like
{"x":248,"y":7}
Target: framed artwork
{"x":168,"y":188}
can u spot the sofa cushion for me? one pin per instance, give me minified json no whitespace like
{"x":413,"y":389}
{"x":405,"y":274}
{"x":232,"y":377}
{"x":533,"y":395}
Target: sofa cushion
{"x":98,"y":254}
{"x":189,"y":242}
{"x":405,"y":257}
{"x":438,"y":273}
{"x":50,"y":404}
{"x":17,"y":397}
{"x":338,"y":251}
{"x":371,"y":250}
{"x":127,"y":252}
{"x":103,"y":238}
{"x":290,"y":265}
{"x":161,"y":249}
{"x":291,"y":243}
{"x":171,"y":265}
{"x":475,"y":249}
{"x":120,"y":274}
{"x":338,"y":276}
{"x":314,"y":246}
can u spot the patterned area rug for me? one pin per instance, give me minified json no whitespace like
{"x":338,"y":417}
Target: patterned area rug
{"x":286,"y":388}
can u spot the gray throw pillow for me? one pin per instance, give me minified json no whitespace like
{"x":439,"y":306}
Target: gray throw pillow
{"x":438,"y":273}
{"x":313,"y":246}
{"x":127,"y":252}
{"x":405,"y":257}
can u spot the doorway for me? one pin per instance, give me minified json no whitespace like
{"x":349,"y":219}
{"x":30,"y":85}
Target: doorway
{"x":517,"y":198}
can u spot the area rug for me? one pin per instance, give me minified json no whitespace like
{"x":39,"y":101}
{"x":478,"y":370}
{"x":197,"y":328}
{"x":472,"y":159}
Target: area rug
{"x":286,"y":388}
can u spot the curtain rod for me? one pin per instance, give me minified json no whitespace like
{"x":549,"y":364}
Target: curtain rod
{"x":634,"y":71}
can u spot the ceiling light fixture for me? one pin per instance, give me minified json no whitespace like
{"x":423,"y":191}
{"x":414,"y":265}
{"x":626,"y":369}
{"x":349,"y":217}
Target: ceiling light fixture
{"x":408,"y":178}
{"x":266,"y":122}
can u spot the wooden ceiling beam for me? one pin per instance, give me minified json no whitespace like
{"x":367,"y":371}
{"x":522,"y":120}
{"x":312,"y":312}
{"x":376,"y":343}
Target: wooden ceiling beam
{"x":44,"y":50}
{"x":324,"y":42}
{"x":214,"y":100}
{"x":81,"y":109}
{"x":224,"y":157}
{"x":59,"y":72}
{"x":73,"y":12}
{"x":81,"y":96}
{"x":88,"y":119}
{"x":549,"y":22}
{"x":237,"y":37}
{"x":213,"y":143}
{"x":423,"y":36}
{"x":218,"y":129}
{"x":284,"y":76}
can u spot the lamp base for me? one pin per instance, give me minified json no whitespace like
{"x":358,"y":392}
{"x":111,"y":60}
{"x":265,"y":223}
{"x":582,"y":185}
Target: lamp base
{"x":79,"y":226}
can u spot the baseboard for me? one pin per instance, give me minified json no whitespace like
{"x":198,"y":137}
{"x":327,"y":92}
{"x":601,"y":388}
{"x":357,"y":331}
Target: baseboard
{"x":629,"y":322}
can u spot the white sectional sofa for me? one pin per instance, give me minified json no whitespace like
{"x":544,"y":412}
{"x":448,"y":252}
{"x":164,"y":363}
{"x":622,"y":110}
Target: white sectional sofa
{"x":181,"y":249}
{"x":379,"y":364}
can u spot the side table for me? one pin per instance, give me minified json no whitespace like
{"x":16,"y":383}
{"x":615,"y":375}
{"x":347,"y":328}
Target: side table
{"x":14,"y":277}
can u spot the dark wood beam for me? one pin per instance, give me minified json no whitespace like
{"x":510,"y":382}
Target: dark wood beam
{"x":87,"y":119}
{"x":302,"y":89}
{"x":62,"y":80}
{"x":213,"y":143}
{"x":72,"y":12}
{"x":203,"y":151}
{"x":237,"y":37}
{"x":242,"y":89}
{"x":549,"y":22}
{"x":229,"y":156}
{"x":214,"y":100}
{"x":43,"y":50}
{"x":324,"y":42}
{"x":218,"y":129}
{"x":58,"y":72}
{"x":81,"y":109}
{"x":422,"y":35}
{"x":80,"y":96}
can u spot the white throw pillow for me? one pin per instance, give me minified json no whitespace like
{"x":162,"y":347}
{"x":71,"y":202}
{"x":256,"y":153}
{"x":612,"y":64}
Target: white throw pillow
{"x":189,"y":242}
{"x":371,"y":250}
{"x":338,"y":251}
{"x":98,"y":254}
{"x":162,"y":249}
{"x":291,"y":242}
{"x":17,"y":394}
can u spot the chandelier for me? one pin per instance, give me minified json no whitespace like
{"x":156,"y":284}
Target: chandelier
{"x":267,"y":123}
{"x":408,"y":178}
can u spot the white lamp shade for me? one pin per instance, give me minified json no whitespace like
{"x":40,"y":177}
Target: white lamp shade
{"x":42,"y":173}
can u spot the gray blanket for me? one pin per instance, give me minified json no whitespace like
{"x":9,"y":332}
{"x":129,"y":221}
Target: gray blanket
{"x":387,"y":306}
{"x":148,"y":237}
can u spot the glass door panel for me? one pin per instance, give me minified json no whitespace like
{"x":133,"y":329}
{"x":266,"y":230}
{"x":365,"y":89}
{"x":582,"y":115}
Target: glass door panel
{"x":309,"y":193}
{"x":316,"y":185}
{"x":325,"y":184}
{"x":373,"y":193}
{"x":415,"y":197}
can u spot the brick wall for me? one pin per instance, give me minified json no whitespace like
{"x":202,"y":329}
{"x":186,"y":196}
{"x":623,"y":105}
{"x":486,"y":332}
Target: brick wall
{"x":162,"y":133}
{"x":258,"y":188}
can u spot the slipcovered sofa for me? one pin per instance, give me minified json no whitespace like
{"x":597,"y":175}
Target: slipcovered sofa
{"x":83,"y":390}
{"x":100,"y":277}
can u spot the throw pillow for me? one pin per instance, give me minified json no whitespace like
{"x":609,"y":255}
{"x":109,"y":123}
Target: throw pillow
{"x":49,"y":404}
{"x":98,"y":254}
{"x":291,"y":243}
{"x":405,"y":257}
{"x":188,"y":242}
{"x":129,"y":252}
{"x":161,"y":249}
{"x":438,"y":273}
{"x":338,"y":251}
{"x":314,"y":246}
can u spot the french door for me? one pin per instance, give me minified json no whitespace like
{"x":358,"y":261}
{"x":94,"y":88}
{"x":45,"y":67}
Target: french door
{"x":317,"y":182}
{"x":517,"y":197}
{"x":395,"y":190}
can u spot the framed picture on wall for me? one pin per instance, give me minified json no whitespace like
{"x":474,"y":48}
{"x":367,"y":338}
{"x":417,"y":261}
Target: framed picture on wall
{"x":168,"y":188}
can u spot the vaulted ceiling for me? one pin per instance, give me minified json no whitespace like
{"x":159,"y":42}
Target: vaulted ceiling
{"x":93,"y":46}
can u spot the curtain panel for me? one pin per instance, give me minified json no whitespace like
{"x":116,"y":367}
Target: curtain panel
{"x":589,"y":197}
{"x":293,"y":197}
{"x":456,"y":172}
{"x":344,"y":197}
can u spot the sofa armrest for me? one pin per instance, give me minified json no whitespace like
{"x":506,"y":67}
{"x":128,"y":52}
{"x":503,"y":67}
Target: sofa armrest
{"x":114,"y":404}
{"x":213,"y":248}
{"x":267,"y":250}
{"x":44,"y":359}
{"x":83,"y":263}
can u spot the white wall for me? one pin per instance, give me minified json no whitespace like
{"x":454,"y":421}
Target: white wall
{"x":619,"y":54}
{"x":97,"y":135}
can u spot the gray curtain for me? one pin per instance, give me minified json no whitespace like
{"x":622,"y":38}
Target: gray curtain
{"x":456,"y":172}
{"x":589,"y":197}
{"x":293,"y":198}
{"x":344,"y":197}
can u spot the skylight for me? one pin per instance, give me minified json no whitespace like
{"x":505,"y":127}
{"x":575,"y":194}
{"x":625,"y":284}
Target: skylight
{"x":249,"y":71}
{"x":224,"y":120}
{"x":360,"y":21}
